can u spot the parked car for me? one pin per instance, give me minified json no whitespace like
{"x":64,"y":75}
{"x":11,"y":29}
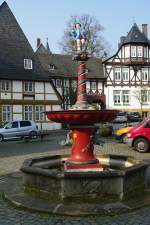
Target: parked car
{"x":121,"y":118}
{"x":134,"y":117}
{"x":15,"y":129}
{"x":121,"y":134}
{"x":139,"y":136}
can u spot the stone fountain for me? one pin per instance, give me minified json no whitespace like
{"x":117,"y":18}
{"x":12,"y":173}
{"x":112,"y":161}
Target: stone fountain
{"x":81,"y":183}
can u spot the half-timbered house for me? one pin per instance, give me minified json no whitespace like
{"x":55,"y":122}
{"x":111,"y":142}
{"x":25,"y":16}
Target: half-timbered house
{"x":25,"y":88}
{"x":65,"y":76}
{"x":128,"y":73}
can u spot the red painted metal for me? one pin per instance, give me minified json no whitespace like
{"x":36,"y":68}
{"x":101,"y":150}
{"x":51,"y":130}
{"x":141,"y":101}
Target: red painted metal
{"x":83,"y":121}
{"x":85,"y":117}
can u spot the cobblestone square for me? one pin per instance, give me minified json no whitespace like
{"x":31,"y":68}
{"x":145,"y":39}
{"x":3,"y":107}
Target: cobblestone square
{"x":12,"y":154}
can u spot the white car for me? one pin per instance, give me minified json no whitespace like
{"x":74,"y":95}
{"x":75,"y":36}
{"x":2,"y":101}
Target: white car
{"x":16,"y":129}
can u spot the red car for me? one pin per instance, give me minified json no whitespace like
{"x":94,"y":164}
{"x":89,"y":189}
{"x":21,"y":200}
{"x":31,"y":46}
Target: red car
{"x":139,"y":136}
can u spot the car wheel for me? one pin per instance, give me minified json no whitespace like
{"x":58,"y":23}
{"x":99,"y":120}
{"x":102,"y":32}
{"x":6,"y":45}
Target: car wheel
{"x":1,"y":138}
{"x":141,"y":145}
{"x":123,"y":138}
{"x":33,"y":134}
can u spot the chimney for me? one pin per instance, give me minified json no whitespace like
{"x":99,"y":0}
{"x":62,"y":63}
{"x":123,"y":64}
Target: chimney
{"x":144,"y":30}
{"x":38,"y":42}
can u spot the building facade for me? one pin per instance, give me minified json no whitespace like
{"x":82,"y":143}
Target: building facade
{"x":128,"y":73}
{"x":65,"y":76}
{"x":25,"y":88}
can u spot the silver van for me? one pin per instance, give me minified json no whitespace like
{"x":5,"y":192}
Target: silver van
{"x":16,"y":129}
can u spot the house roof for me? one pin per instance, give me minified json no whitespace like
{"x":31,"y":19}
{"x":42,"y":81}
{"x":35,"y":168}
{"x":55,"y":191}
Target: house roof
{"x":66,"y":67}
{"x":135,"y":36}
{"x":14,"y":48}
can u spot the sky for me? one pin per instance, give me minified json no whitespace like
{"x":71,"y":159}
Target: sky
{"x":48,"y":18}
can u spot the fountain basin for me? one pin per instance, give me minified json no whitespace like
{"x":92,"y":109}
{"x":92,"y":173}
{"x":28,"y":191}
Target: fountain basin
{"x":86,"y":117}
{"x":122,"y":178}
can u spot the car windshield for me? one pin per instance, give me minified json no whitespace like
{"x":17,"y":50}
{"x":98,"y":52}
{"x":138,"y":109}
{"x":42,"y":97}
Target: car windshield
{"x":8,"y":125}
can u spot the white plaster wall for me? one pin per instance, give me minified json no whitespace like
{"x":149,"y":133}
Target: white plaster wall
{"x":48,"y":107}
{"x":49,"y":88}
{"x":99,"y":85}
{"x":17,"y":86}
{"x":17,"y":116}
{"x":5,"y":95}
{"x":51,"y":126}
{"x":39,"y":87}
{"x":17,"y":96}
{"x":56,"y":107}
{"x":134,"y":103}
{"x":17,"y":108}
{"x":51,"y":97}
{"x":39,"y":96}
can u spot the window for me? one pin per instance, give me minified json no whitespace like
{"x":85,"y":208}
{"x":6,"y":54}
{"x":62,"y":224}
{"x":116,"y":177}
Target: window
{"x":126,"y":97}
{"x":144,"y":96}
{"x":74,"y":84}
{"x":58,"y":83}
{"x":28,"y":86}
{"x":144,"y":74}
{"x":66,"y":83}
{"x":5,"y":85}
{"x":51,"y":67}
{"x":125,"y":74}
{"x":133,"y":51}
{"x":93,"y":85}
{"x":28,"y":64}
{"x":25,"y":123}
{"x":139,"y":51}
{"x":6,"y":113}
{"x":117,"y":74}
{"x":39,"y":115}
{"x":28,"y":112}
{"x":117,"y":97}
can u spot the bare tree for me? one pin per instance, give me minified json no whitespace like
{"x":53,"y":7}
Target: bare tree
{"x":96,"y":45}
{"x":141,"y":95}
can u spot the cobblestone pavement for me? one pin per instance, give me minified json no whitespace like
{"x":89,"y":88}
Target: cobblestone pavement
{"x":12,"y":154}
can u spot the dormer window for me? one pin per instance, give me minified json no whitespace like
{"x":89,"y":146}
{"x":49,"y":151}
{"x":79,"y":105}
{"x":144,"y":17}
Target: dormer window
{"x":28,"y":64}
{"x":51,"y":67}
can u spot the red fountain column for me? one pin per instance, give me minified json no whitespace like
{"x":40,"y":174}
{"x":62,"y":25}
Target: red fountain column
{"x":81,"y":94}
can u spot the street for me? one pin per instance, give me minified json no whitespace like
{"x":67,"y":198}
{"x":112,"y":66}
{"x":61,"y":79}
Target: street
{"x":13,"y":153}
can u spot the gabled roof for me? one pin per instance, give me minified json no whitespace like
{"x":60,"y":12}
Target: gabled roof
{"x":67,"y":68}
{"x":135,"y":36}
{"x":14,"y":48}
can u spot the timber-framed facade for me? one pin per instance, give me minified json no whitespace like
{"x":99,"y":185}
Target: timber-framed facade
{"x":128,"y":73}
{"x":25,"y":88}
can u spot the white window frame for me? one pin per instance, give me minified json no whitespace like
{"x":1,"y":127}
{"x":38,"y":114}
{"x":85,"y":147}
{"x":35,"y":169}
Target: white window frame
{"x":125,"y":74}
{"x":126,"y":97}
{"x":144,"y":74}
{"x":28,"y":112}
{"x":28,"y":86}
{"x":58,"y":83}
{"x":133,"y":51}
{"x":93,"y":85}
{"x":6,"y":113}
{"x":28,"y":65}
{"x":5,"y":85}
{"x":117,"y":97}
{"x":144,"y":96}
{"x":117,"y":73}
{"x":39,"y":115}
{"x":139,"y":51}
